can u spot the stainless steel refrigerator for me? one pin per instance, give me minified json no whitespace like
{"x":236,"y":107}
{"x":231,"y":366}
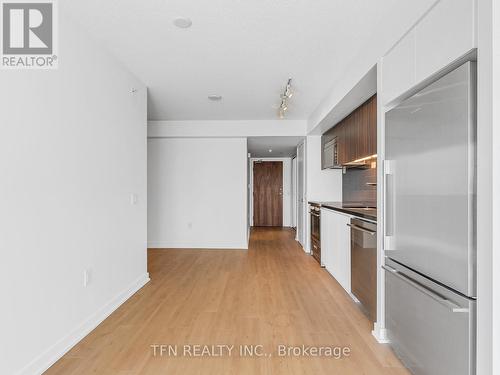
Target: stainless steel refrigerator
{"x":430,"y":226}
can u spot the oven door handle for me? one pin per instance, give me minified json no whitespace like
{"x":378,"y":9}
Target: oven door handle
{"x":370,"y":232}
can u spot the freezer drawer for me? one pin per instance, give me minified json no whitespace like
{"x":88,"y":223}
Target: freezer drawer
{"x":430,"y":328}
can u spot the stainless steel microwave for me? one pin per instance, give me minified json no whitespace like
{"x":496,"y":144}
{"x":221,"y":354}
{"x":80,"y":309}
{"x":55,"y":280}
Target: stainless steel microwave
{"x":331,"y":154}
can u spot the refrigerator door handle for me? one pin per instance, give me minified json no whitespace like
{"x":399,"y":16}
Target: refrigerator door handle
{"x":389,"y":211}
{"x":454,"y":308}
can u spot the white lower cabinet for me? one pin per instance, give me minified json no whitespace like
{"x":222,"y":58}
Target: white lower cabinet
{"x":336,"y":246}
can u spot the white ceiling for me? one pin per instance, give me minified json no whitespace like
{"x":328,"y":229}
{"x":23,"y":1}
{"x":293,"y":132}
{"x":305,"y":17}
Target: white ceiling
{"x":259,"y":147}
{"x":244,"y":50}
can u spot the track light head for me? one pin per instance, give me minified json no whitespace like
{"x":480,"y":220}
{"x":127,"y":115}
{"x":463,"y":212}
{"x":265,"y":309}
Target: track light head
{"x":287,"y":94}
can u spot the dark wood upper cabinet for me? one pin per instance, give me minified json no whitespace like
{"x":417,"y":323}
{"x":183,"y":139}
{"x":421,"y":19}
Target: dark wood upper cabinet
{"x":363,"y":148}
{"x":372,"y":126}
{"x":341,"y":141}
{"x":356,"y":134}
{"x":351,"y":134}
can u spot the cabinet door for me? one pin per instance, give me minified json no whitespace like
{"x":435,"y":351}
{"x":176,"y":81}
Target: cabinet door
{"x":341,"y":143}
{"x":347,"y":140}
{"x":343,"y":245}
{"x":398,"y":68}
{"x":351,"y":135}
{"x":357,"y":133}
{"x":363,"y":130}
{"x":327,"y":236}
{"x":443,"y":35}
{"x":372,"y":126}
{"x":336,"y":246}
{"x":357,"y":128}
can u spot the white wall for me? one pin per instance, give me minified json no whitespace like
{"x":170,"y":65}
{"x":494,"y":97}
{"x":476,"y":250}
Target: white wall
{"x":287,"y":189}
{"x":72,"y":150}
{"x":197,"y":190}
{"x":322,"y":185}
{"x":242,"y":128}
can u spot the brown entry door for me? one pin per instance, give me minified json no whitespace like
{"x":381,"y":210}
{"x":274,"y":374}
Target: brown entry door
{"x":268,"y":194}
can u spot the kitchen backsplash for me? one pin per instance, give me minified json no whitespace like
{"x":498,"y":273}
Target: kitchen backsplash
{"x":359,"y":186}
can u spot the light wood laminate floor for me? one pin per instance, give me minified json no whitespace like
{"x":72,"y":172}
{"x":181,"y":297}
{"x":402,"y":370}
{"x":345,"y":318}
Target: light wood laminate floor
{"x":273,"y":294}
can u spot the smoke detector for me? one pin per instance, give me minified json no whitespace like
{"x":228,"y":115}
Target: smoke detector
{"x":215,"y":98}
{"x":183,"y":22}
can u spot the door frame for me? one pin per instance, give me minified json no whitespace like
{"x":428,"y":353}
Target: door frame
{"x":293,"y":222}
{"x":287,"y":187}
{"x":301,"y":233}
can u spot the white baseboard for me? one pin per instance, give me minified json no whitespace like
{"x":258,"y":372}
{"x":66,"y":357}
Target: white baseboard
{"x":380,"y":334}
{"x":40,"y":364}
{"x":170,"y":245}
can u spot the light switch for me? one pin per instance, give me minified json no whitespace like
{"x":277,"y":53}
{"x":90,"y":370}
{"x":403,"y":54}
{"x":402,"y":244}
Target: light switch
{"x":86,"y":278}
{"x":133,"y":199}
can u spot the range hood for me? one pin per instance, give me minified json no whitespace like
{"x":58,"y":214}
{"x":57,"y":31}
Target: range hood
{"x":365,"y":162}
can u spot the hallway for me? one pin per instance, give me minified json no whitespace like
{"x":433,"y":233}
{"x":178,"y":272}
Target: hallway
{"x":273,"y":294}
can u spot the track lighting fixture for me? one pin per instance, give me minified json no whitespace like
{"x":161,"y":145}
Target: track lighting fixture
{"x":287,"y":94}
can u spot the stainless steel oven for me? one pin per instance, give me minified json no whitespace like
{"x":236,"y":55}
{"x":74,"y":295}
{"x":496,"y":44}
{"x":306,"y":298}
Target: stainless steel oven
{"x":315,"y":215}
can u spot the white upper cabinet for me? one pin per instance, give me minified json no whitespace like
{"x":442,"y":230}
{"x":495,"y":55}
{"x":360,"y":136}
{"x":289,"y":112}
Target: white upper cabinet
{"x":444,"y":35}
{"x":399,"y":68}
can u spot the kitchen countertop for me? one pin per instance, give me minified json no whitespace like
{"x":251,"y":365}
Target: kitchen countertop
{"x":351,"y":209}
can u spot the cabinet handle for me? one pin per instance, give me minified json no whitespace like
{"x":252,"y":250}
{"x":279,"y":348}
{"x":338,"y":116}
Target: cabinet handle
{"x":389,"y":211}
{"x":436,"y":297}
